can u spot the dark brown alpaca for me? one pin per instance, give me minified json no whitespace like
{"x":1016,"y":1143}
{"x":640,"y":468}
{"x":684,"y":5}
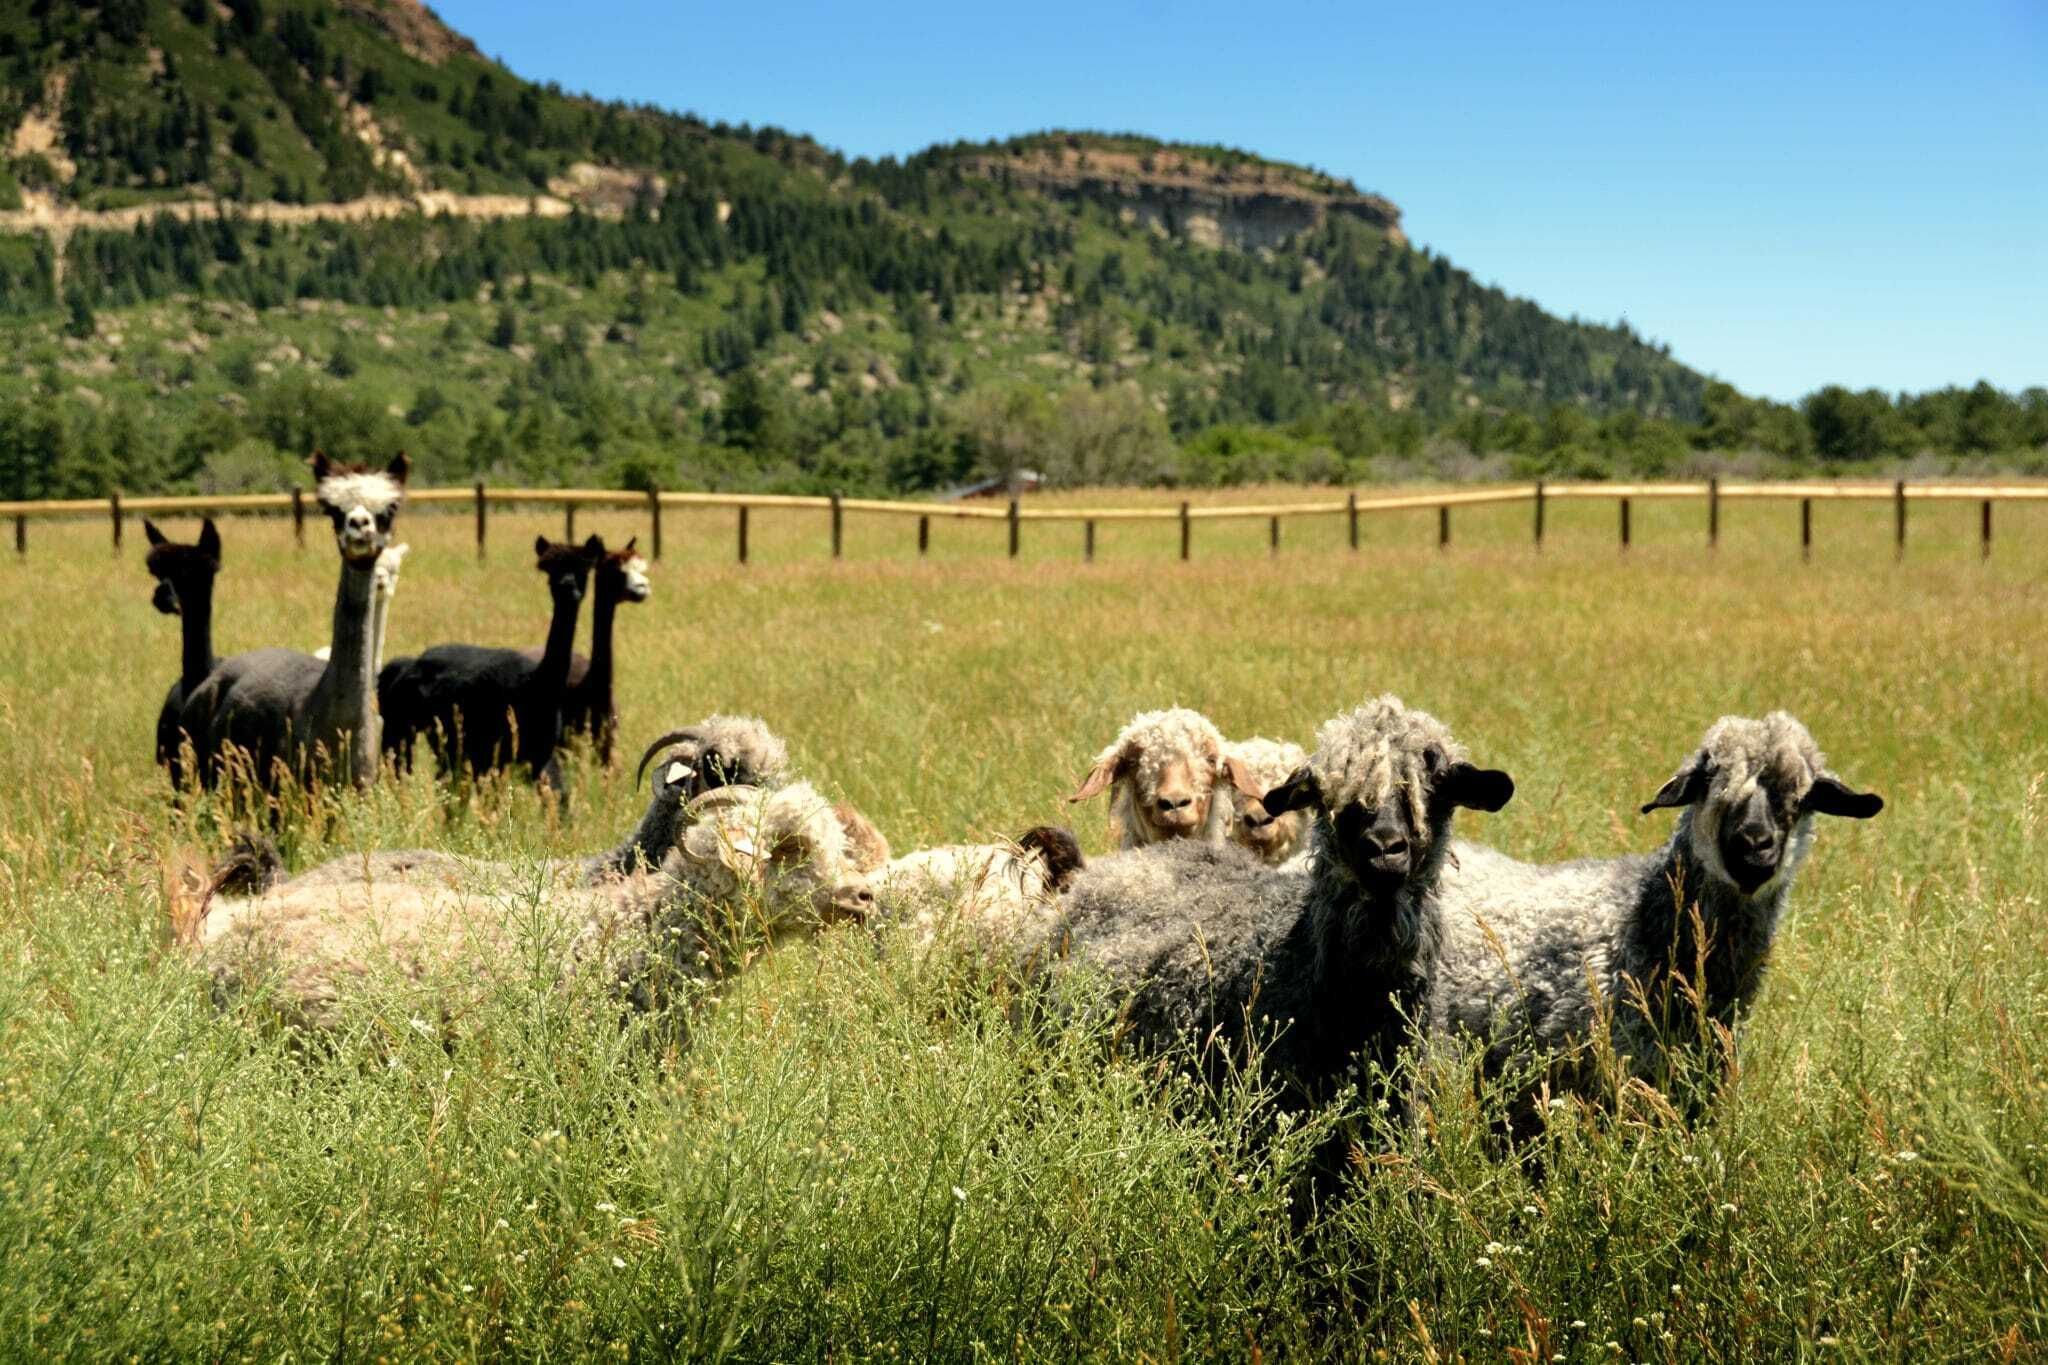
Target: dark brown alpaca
{"x":588,"y":707}
{"x":184,"y":588}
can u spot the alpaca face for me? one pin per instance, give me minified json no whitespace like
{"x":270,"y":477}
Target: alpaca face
{"x":181,"y":571}
{"x":622,"y":576}
{"x":360,"y":505}
{"x":567,"y":567}
{"x":1753,"y":788}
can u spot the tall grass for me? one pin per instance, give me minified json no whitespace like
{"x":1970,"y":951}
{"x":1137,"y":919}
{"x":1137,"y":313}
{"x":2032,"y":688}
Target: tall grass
{"x":866,"y":1153}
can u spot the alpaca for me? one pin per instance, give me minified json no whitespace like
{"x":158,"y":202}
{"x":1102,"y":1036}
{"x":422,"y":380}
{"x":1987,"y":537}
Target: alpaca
{"x":290,"y":712}
{"x":587,"y":706}
{"x":184,"y":588}
{"x":485,"y":708}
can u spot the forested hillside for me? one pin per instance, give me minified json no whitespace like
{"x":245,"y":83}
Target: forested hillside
{"x":585,"y":291}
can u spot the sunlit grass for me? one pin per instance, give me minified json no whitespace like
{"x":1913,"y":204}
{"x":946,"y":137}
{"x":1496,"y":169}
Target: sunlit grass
{"x":862,"y":1154}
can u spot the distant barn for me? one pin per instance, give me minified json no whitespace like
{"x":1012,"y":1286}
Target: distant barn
{"x":1002,"y":485}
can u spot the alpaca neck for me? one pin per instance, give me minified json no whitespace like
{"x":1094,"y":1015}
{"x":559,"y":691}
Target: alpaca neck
{"x":554,"y":660}
{"x":196,"y":620}
{"x":344,"y":715}
{"x":598,"y":681}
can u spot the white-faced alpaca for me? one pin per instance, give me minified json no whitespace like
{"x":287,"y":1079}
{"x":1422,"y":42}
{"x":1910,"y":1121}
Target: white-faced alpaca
{"x":1161,"y":772}
{"x":993,"y":895}
{"x":1537,"y":958}
{"x":1273,"y":839}
{"x":484,"y":708}
{"x":184,"y":588}
{"x":383,"y":587}
{"x":1330,"y":965}
{"x":588,"y":707}
{"x":290,"y":712}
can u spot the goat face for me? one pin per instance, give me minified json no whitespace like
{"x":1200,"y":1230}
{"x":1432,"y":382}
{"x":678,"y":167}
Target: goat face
{"x":1266,"y":834}
{"x":1752,"y":789}
{"x":1383,"y":786}
{"x":360,"y":505}
{"x":1167,"y":764}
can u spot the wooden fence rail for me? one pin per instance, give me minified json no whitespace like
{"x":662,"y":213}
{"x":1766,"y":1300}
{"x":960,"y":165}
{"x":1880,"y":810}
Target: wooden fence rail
{"x":118,"y":507}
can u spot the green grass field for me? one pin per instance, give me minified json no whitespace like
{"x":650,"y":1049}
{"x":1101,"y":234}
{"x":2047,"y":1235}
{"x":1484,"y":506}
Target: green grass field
{"x":862,"y":1157}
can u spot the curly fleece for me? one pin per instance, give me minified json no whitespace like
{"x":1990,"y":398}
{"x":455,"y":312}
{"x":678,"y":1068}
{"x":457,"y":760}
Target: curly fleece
{"x":1154,"y":740}
{"x":1380,"y":750}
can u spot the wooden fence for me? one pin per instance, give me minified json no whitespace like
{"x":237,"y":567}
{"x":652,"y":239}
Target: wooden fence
{"x":1901,"y":494}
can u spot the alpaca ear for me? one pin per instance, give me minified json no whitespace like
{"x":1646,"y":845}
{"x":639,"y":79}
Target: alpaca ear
{"x":1107,"y":769}
{"x":1830,"y":796}
{"x":540,"y":545}
{"x":322,"y":466}
{"x":156,"y":537}
{"x":1299,"y":791}
{"x":594,"y":546}
{"x":1485,"y":789}
{"x":1688,"y":785}
{"x":630,"y":544}
{"x":209,"y":539}
{"x":399,"y":468}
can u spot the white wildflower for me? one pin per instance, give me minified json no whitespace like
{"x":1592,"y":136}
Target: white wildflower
{"x":618,"y":1263}
{"x":959,"y":1194}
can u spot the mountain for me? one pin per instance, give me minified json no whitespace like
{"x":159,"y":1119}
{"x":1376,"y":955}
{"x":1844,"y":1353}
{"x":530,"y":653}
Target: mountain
{"x":233,"y":229}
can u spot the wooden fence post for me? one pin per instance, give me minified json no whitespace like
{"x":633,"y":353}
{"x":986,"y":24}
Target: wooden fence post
{"x":1899,"y":519}
{"x":1088,"y":540}
{"x":299,"y":518}
{"x":1986,"y":551}
{"x":1014,"y":525}
{"x":1443,"y":527}
{"x":1806,"y":528}
{"x":1186,"y":530}
{"x":21,"y":534}
{"x":838,"y":524}
{"x":1624,"y":523}
{"x":743,"y":533}
{"x":1273,"y":537}
{"x":654,"y":520}
{"x":114,"y":506}
{"x":480,"y":518}
{"x":1713,"y":512}
{"x":924,"y":534}
{"x":1351,"y":512}
{"x":1539,"y":514}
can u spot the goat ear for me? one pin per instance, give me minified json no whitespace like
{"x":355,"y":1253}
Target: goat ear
{"x":1106,"y":770}
{"x":156,"y":537}
{"x":1241,"y":778}
{"x":1686,"y":786}
{"x":399,"y":468}
{"x":322,"y":466}
{"x":1829,"y":796}
{"x":1299,"y":791}
{"x":1474,"y":788}
{"x":209,"y":539}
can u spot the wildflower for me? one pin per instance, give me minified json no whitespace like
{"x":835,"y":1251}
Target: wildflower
{"x":1529,"y":1209}
{"x":618,"y":1263}
{"x":421,"y":1026}
{"x":1484,"y":1263}
{"x":1578,"y":1324}
{"x":1727,"y":1210}
{"x":1494,"y":1248}
{"x":468,"y":1288}
{"x":607,"y":1207}
{"x":959,"y":1194}
{"x":1557,"y":1102}
{"x":503,"y":1225}
{"x":1904,"y":1157}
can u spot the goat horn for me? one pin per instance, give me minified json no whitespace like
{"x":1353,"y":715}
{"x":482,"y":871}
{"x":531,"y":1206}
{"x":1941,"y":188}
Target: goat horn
{"x":670,"y":738}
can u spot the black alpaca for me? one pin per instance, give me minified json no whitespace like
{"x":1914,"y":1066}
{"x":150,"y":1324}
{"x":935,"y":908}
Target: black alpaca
{"x":587,"y":706}
{"x":184,"y":588}
{"x":485,"y":708}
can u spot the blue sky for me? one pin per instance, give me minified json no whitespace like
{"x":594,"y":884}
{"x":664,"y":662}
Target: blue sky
{"x":1790,"y":194}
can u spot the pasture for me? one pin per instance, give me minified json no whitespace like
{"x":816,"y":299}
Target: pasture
{"x":862,"y":1156}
